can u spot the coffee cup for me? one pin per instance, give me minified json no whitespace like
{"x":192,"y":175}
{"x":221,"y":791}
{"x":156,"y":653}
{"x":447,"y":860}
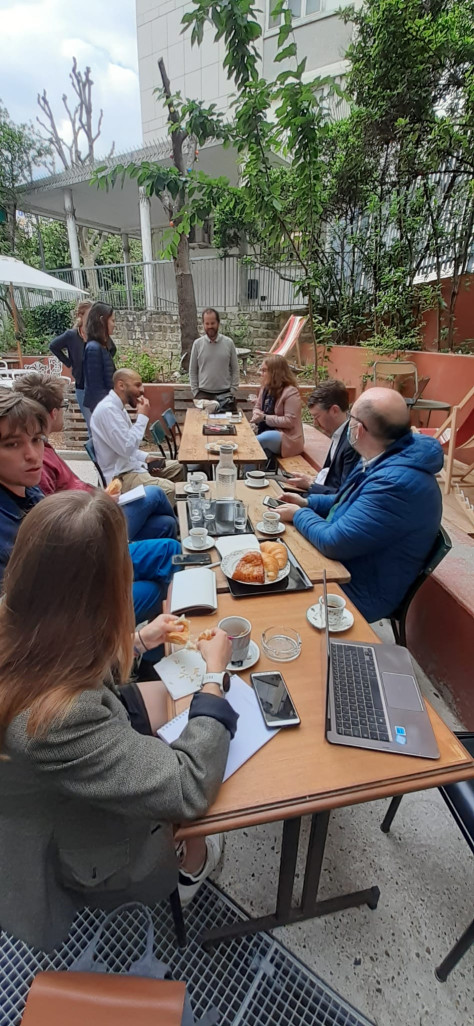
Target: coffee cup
{"x":256,"y":476}
{"x":238,"y":631}
{"x":196,"y":479}
{"x":335,"y":605}
{"x":198,"y":537}
{"x":271,"y":520}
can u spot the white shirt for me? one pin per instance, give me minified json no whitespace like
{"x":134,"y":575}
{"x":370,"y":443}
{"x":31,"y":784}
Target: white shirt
{"x":323,"y":473}
{"x":116,"y":439}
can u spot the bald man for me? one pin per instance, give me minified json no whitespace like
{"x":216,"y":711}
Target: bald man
{"x":116,"y":440}
{"x":384,"y":519}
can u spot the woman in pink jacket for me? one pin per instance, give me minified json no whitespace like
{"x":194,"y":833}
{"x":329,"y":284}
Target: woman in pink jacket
{"x":277,"y":414}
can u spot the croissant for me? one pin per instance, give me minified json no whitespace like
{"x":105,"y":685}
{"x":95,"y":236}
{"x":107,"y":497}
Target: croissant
{"x":179,"y":637}
{"x":114,"y":487}
{"x":270,"y":566}
{"x":249,"y":569}
{"x":277,"y":551}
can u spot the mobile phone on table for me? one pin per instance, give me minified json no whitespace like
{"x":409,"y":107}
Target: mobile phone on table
{"x":271,"y":502}
{"x":274,"y":699}
{"x":191,"y":559}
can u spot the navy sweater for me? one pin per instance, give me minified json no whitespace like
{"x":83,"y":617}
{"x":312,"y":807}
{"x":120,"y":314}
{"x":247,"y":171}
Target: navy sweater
{"x":99,"y":369}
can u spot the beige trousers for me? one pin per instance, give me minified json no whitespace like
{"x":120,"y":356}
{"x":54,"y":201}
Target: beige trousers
{"x":173,"y":471}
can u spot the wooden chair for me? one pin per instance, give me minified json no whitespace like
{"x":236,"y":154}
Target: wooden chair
{"x":460,"y":801}
{"x":103,"y":999}
{"x":455,"y":435}
{"x":287,"y":339}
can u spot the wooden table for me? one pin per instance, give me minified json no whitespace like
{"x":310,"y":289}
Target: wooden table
{"x":312,"y":561}
{"x":193,"y":443}
{"x":299,"y":773}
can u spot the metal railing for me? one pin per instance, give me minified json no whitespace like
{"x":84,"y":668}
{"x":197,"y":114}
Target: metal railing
{"x":228,"y":283}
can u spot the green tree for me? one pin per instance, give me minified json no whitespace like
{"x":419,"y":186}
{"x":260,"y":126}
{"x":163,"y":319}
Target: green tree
{"x":21,"y":150}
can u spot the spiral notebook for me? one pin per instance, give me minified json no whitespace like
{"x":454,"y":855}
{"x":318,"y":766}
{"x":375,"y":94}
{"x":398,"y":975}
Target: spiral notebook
{"x":251,"y":733}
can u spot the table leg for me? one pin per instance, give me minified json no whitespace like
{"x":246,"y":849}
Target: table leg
{"x":310,"y":907}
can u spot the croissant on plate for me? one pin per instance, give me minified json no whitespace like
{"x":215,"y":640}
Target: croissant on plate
{"x":270,"y":566}
{"x":250,"y":569}
{"x":276,"y":550}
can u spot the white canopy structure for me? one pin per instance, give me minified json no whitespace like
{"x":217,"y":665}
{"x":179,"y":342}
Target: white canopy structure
{"x":15,"y":274}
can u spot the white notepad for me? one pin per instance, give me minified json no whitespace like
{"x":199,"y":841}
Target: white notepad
{"x":194,"y":590}
{"x":251,"y":733}
{"x":132,"y":495}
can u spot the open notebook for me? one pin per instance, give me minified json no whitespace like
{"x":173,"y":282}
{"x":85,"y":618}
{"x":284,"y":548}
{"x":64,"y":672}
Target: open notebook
{"x":251,"y":733}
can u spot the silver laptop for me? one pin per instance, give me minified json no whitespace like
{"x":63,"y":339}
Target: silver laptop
{"x":373,"y":699}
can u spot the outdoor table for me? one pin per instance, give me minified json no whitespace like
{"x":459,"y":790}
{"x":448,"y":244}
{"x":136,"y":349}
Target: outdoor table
{"x":312,"y":561}
{"x":193,"y":443}
{"x":299,"y":773}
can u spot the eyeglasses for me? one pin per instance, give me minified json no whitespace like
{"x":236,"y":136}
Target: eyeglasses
{"x":64,"y":405}
{"x":359,"y":421}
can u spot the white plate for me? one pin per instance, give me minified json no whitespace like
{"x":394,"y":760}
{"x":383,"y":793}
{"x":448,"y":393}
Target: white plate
{"x":252,"y":656}
{"x":216,"y":446}
{"x":261,"y":527}
{"x":188,"y":544}
{"x":313,"y":616}
{"x":229,"y":563}
{"x":196,"y":491}
{"x":256,"y":484}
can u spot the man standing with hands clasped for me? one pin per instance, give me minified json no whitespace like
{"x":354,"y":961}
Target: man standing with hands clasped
{"x":116,"y":440}
{"x":214,"y":367}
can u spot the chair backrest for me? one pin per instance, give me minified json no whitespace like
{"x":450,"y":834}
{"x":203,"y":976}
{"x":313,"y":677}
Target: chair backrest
{"x":170,"y":419}
{"x":159,"y":436}
{"x":441,"y":546}
{"x":459,"y":797}
{"x":89,"y":447}
{"x":393,"y":369}
{"x":103,"y":999}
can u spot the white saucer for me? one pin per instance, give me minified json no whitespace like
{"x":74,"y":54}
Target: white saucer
{"x":196,"y":491}
{"x":252,"y":656}
{"x":313,"y":616}
{"x":188,"y":544}
{"x":263,"y":483}
{"x":261,"y":527}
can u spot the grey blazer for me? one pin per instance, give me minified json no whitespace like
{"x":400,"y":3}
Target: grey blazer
{"x":86,"y":813}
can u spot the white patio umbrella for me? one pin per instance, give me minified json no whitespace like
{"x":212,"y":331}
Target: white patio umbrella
{"x":16,"y":274}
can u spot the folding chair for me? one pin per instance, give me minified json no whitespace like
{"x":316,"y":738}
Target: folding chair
{"x":287,"y":338}
{"x":455,"y":436}
{"x":390,"y":370}
{"x":442,"y":545}
{"x":460,"y":801}
{"x":89,"y":447}
{"x":160,"y":436}
{"x":173,"y":428}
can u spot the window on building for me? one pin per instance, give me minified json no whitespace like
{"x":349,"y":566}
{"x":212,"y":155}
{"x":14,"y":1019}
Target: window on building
{"x":302,"y":9}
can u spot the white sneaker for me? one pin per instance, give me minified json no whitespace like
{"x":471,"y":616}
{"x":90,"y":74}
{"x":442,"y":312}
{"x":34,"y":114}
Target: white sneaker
{"x":189,"y":883}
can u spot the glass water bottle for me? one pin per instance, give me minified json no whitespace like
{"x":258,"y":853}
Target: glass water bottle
{"x":226,"y":473}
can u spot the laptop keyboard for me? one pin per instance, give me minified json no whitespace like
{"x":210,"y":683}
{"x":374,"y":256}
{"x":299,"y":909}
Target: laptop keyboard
{"x":357,"y":698}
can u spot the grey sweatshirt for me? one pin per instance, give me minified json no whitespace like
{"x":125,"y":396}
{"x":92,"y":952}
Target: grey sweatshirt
{"x":214,"y":366}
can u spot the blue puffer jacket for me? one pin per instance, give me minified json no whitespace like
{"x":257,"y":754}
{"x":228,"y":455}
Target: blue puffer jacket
{"x":385,"y":523}
{"x":99,"y":370}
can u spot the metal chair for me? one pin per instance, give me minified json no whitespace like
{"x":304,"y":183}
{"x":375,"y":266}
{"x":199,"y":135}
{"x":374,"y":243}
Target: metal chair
{"x":390,"y":370}
{"x":173,"y":428}
{"x":442,"y":545}
{"x":89,"y":447}
{"x":460,"y":801}
{"x":160,"y":436}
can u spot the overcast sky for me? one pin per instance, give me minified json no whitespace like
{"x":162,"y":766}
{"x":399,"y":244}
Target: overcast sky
{"x":38,"y":39}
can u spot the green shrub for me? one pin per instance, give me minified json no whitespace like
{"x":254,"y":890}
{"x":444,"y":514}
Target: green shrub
{"x":49,"y":320}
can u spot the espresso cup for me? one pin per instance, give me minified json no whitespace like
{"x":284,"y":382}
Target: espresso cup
{"x":198,"y":537}
{"x":196,"y":479}
{"x":335,"y":605}
{"x":271,"y":520}
{"x":256,"y":475}
{"x":238,"y":631}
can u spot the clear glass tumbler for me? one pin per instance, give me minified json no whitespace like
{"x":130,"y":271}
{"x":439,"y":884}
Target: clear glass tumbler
{"x":240,"y":516}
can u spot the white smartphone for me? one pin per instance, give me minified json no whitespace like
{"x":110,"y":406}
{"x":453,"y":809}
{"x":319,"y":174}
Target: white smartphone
{"x":271,"y":502}
{"x":274,"y":699}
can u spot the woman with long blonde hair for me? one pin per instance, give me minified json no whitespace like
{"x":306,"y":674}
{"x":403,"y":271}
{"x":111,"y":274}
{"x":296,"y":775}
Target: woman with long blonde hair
{"x":277,"y":413}
{"x":69,"y":349}
{"x":88,"y":793}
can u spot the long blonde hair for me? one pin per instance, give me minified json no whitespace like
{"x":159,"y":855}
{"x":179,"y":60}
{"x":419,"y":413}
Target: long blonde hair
{"x":67,"y":615}
{"x":280,"y":375}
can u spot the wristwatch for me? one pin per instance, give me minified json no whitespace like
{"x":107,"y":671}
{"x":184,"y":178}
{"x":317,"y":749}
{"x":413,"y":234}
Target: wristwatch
{"x":221,"y":679}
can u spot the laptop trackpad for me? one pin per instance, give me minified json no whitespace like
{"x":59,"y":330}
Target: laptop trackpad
{"x":400,"y":691}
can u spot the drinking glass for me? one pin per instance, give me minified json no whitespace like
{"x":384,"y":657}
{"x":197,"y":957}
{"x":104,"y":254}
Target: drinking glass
{"x":195,"y":511}
{"x":240,"y":516}
{"x":209,"y":513}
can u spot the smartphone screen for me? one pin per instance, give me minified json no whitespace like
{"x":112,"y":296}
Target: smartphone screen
{"x":274,"y":699}
{"x":193,"y":559}
{"x":270,"y":501}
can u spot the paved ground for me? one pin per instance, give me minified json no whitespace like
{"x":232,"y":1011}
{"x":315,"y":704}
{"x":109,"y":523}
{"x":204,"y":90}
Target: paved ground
{"x":382,"y":961}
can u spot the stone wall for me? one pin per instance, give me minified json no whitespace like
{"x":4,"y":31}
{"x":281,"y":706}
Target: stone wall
{"x":159,"y":335}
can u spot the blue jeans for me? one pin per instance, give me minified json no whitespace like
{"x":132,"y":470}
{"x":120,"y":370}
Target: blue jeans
{"x":85,"y":412}
{"x":152,"y":572}
{"x":150,"y":517}
{"x":270,"y":440}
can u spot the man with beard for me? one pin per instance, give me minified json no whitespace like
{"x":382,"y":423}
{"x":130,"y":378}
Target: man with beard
{"x":116,"y":440}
